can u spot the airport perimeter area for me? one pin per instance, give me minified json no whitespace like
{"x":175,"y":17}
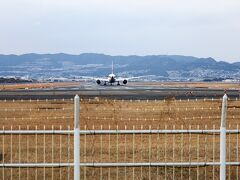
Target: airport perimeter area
{"x":120,"y":138}
{"x":134,"y":90}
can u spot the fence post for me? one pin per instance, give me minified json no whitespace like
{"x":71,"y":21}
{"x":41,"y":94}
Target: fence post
{"x":223,"y":139}
{"x":76,"y":138}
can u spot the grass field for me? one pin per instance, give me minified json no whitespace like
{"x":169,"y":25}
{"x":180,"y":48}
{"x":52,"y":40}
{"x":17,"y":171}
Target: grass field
{"x":117,"y":114}
{"x":37,"y":85}
{"x":215,"y":85}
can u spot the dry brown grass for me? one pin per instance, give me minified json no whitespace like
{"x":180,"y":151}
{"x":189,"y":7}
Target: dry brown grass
{"x":217,"y":85}
{"x":37,"y":85}
{"x":112,"y":114}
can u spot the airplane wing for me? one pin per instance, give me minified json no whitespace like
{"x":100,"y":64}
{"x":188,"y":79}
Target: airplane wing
{"x":101,"y":79}
{"x":129,"y":78}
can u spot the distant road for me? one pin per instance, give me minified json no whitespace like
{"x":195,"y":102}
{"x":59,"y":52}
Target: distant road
{"x":118,"y":93}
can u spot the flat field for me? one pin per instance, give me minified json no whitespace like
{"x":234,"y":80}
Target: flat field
{"x":211,"y":85}
{"x":214,"y":85}
{"x":37,"y":85}
{"x":117,"y":114}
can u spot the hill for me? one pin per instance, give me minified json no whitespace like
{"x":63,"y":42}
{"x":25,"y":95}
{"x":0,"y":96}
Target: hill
{"x":153,"y":67}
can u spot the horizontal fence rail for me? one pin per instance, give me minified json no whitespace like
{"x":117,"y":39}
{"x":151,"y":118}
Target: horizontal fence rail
{"x":179,"y":164}
{"x":92,"y":132}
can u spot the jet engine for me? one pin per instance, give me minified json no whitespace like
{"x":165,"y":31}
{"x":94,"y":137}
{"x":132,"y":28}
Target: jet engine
{"x":98,"y":81}
{"x":124,"y":81}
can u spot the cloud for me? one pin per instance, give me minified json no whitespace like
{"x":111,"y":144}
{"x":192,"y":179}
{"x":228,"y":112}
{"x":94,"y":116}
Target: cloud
{"x":135,"y":5}
{"x":190,"y":27}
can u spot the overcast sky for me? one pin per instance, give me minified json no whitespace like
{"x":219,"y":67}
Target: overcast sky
{"x":201,"y":28}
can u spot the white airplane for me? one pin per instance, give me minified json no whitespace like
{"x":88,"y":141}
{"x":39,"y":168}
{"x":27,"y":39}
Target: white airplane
{"x":111,"y":79}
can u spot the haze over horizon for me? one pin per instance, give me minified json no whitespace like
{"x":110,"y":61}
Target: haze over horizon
{"x":197,"y":28}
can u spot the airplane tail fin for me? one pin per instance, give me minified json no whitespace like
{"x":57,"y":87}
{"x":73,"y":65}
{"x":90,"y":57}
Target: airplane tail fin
{"x":112,"y":67}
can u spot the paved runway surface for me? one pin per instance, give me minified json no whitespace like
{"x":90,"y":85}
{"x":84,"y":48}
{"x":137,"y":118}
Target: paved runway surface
{"x":118,"y":92}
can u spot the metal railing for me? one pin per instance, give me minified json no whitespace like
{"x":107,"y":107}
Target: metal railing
{"x":80,"y":136}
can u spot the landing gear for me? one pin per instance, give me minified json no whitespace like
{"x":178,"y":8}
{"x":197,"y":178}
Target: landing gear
{"x":118,"y":84}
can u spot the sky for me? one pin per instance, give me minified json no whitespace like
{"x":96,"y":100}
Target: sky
{"x":201,"y":28}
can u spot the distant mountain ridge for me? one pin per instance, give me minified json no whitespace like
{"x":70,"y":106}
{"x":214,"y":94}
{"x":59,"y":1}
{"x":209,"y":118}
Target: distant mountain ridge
{"x":157,"y":67}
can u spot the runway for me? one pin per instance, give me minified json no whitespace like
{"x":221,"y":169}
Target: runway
{"x":118,"y":92}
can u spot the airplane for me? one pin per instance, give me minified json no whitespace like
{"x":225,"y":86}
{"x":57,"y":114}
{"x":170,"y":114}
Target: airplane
{"x":111,"y":79}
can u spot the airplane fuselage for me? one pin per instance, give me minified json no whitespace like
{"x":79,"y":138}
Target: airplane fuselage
{"x":111,"y":78}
